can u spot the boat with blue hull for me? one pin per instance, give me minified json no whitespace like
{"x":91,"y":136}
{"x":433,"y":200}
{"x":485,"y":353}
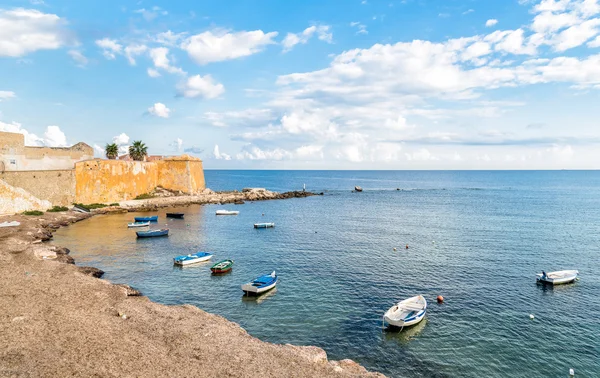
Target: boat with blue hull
{"x":146,"y":219}
{"x":192,"y":258}
{"x":407,"y":312}
{"x":153,"y":233}
{"x":260,"y":284}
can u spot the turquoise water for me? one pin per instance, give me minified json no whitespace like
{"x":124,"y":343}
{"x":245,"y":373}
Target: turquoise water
{"x":477,"y":238}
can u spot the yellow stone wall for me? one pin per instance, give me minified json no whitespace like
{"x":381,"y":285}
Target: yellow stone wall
{"x":108,"y":181}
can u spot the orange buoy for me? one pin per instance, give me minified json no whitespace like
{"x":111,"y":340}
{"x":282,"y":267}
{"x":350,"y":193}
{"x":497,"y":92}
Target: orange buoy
{"x":440,"y":299}
{"x":407,"y":246}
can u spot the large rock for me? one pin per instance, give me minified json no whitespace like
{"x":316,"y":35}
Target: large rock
{"x":129,"y":291}
{"x":91,"y":271}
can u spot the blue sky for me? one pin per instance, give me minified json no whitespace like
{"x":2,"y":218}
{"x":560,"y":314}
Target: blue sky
{"x":409,"y":84}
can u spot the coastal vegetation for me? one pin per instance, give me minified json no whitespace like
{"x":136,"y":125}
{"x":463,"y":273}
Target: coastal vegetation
{"x":33,"y":212}
{"x":57,"y":209}
{"x":144,"y":196}
{"x":111,"y":150}
{"x":138,"y":150}
{"x":92,"y":206}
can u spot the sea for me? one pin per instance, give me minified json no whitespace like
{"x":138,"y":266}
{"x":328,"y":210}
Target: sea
{"x":477,"y":238}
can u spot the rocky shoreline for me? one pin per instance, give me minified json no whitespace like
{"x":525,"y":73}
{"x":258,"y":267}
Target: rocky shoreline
{"x":59,"y":319}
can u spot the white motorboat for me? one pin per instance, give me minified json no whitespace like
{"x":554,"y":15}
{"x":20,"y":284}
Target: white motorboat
{"x":261,"y":284}
{"x":227,"y":212}
{"x":192,"y":258}
{"x":407,"y":312}
{"x":138,"y":224}
{"x":557,"y":278}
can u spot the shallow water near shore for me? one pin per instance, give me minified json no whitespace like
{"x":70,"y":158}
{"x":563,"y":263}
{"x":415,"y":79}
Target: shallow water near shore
{"x":477,"y":238}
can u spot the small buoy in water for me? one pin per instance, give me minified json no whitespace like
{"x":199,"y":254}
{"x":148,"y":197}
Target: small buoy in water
{"x":407,"y":246}
{"x":531,"y":316}
{"x":263,"y":214}
{"x":394,"y":248}
{"x":440,"y":299}
{"x":571,"y":372}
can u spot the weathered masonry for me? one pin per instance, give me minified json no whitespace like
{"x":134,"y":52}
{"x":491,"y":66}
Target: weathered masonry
{"x":15,"y":156}
{"x":71,"y":175}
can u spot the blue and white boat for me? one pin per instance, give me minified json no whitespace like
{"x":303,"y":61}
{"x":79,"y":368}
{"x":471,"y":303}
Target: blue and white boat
{"x":557,"y":278}
{"x":146,"y":219}
{"x":138,"y":224}
{"x":264,"y":225}
{"x":192,"y":258}
{"x":261,"y":284}
{"x":407,"y":312}
{"x":152,"y":233}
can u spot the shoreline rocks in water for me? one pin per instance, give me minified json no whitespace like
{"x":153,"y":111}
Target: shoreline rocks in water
{"x":59,"y":320}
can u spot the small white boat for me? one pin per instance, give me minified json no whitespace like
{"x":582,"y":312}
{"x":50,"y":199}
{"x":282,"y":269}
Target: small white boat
{"x":227,"y":212}
{"x":407,"y":312}
{"x":557,"y":278}
{"x":261,"y":284}
{"x":138,"y":224}
{"x":192,"y":258}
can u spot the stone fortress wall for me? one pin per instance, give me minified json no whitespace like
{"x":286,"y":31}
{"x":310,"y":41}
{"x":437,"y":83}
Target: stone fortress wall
{"x":83,"y":179}
{"x":15,"y":156}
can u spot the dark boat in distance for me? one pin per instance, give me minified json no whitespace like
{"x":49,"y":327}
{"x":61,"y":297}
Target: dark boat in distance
{"x":175,"y":215}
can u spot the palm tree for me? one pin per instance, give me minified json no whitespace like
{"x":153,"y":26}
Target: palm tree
{"x":138,"y":150}
{"x":111,"y":151}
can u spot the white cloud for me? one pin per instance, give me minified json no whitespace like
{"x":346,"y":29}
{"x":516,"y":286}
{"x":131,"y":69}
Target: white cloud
{"x":122,"y":141}
{"x":23,"y":31}
{"x":169,"y":38}
{"x":110,"y":47}
{"x":255,"y":153}
{"x":159,"y":110}
{"x":151,"y":14}
{"x":220,"y":45}
{"x":576,"y":35}
{"x":54,"y":137}
{"x":153,"y":73}
{"x":131,"y":51}
{"x":247,"y":117}
{"x":5,"y":95}
{"x":362,"y":29}
{"x":78,"y":57}
{"x":220,"y":155}
{"x":200,"y":86}
{"x":491,"y":22}
{"x":291,"y":39}
{"x":99,"y":151}
{"x":177,"y":144}
{"x":162,"y":61}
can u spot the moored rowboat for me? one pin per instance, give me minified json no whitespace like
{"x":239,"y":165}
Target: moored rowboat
{"x":175,"y":215}
{"x":146,"y":219}
{"x":227,"y":212}
{"x":261,"y":284}
{"x":138,"y":224}
{"x":264,"y":225}
{"x":192,"y":258}
{"x":407,"y":312}
{"x":222,"y":267}
{"x":557,"y":278}
{"x":152,"y":233}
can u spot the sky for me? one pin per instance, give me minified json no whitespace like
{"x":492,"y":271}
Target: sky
{"x":312,"y":84}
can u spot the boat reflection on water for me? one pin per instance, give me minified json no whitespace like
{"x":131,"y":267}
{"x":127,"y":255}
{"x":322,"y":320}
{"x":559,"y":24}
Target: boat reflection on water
{"x":258,"y":299}
{"x":405,"y":335}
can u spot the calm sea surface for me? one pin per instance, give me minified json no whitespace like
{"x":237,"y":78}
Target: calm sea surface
{"x":477,"y":238}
